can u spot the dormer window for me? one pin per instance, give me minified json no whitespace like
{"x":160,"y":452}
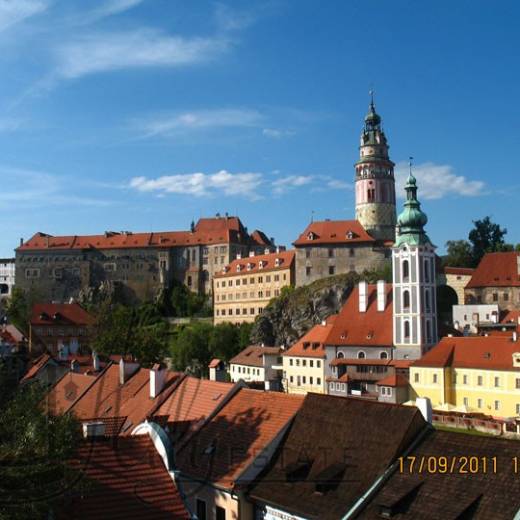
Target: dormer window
{"x":261,"y":264}
{"x":249,"y":266}
{"x":350,"y":235}
{"x":239,"y":268}
{"x":311,"y":236}
{"x":277,"y":262}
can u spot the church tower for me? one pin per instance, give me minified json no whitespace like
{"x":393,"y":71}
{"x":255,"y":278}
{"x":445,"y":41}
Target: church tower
{"x":375,"y":185}
{"x":413,"y":269}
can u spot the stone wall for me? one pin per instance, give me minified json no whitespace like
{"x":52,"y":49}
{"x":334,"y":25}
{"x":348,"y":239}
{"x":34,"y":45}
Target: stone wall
{"x":507,"y":298}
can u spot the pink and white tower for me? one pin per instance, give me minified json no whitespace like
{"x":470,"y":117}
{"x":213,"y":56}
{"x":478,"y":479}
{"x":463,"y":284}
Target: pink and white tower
{"x":375,"y":183}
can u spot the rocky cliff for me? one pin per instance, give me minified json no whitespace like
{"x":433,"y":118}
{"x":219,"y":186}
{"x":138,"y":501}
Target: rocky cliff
{"x":290,"y":316}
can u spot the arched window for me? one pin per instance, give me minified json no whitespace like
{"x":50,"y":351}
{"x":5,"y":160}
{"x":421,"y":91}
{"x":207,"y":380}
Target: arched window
{"x":427,"y":300}
{"x":406,"y":270}
{"x":340,"y":355}
{"x":361,"y":355}
{"x":383,"y":355}
{"x":428,"y":331}
{"x":407,"y":330}
{"x":426,"y":271}
{"x":406,"y":300}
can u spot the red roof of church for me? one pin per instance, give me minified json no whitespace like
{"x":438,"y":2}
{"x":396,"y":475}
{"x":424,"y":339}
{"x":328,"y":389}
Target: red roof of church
{"x":333,"y":232}
{"x":370,"y":328}
{"x":496,"y":270}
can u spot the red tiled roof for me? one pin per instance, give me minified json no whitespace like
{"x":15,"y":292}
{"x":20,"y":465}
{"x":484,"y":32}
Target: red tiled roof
{"x":37,"y":365}
{"x":285,"y":258}
{"x":260,"y":238}
{"x":214,"y":363}
{"x":355,"y":361}
{"x":333,"y":232}
{"x":207,"y":231}
{"x":127,"y":479}
{"x":496,"y":270}
{"x":394,"y":380}
{"x":370,"y":328}
{"x":463,"y":271}
{"x":312,"y":344}
{"x":192,"y":401}
{"x":511,"y":317}
{"x":484,"y":352}
{"x":233,"y":439}
{"x":6,"y":337}
{"x":253,"y":355}
{"x":67,"y":391}
{"x":73,"y":313}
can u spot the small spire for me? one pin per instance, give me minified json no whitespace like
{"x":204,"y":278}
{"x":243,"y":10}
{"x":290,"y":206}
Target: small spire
{"x":371,"y":92}
{"x":410,"y":162}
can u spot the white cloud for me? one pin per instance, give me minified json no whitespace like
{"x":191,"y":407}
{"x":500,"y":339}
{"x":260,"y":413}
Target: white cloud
{"x":436,"y":181}
{"x":169,"y":124}
{"x":14,"y":11}
{"x":292,"y":181}
{"x":276,"y":133}
{"x":336,"y":184}
{"x":112,"y":7}
{"x":94,"y":53}
{"x":202,"y":184}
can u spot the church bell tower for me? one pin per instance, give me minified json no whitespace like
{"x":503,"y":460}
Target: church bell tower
{"x":375,"y":184}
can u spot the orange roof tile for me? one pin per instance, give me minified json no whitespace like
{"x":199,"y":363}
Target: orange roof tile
{"x":232,"y":440}
{"x":192,"y":401}
{"x":511,"y":317}
{"x":484,"y":352}
{"x":127,"y":479}
{"x":253,"y":355}
{"x":37,"y":365}
{"x":333,"y":232}
{"x":312,"y":344}
{"x":60,"y":314}
{"x":214,"y":363}
{"x":463,"y":271}
{"x":393,"y":380}
{"x":62,"y":396}
{"x":370,"y":328}
{"x":239,"y":267}
{"x":496,"y":270}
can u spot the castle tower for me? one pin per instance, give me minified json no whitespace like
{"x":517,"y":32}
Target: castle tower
{"x":375,"y":185}
{"x":413,"y":268}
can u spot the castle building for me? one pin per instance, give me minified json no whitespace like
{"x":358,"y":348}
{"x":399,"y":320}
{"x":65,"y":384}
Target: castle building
{"x":413,"y":265}
{"x":136,"y":265}
{"x":375,"y":184}
{"x":330,"y":247}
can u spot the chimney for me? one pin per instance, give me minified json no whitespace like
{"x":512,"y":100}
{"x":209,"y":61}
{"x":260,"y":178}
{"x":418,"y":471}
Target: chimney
{"x":362,"y":296}
{"x":21,"y":242}
{"x":95,"y":362}
{"x":157,"y":380}
{"x":425,"y":407}
{"x":239,"y":256}
{"x":251,"y":253}
{"x":267,"y":251}
{"x":515,"y":336}
{"x":381,"y":296}
{"x":126,"y":369}
{"x":93,"y":429}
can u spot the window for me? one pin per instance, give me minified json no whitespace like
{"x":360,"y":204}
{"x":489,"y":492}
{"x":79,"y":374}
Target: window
{"x":361,"y":355}
{"x":466,"y":401}
{"x":290,"y":361}
{"x":318,"y":363}
{"x":311,"y":363}
{"x":479,"y":380}
{"x":406,"y":300}
{"x":260,"y":279}
{"x":407,"y":329}
{"x":304,"y":380}
{"x":383,"y":355}
{"x":518,"y":409}
{"x":252,"y":310}
{"x":318,"y":380}
{"x":297,"y":362}
{"x":434,"y":379}
{"x":479,"y":403}
{"x":351,"y":252}
{"x":427,"y":300}
{"x":517,"y":381}
{"x":307,"y":253}
{"x":426,"y":271}
{"x":497,"y":405}
{"x":308,"y":271}
{"x":497,"y":382}
{"x":506,"y":296}
{"x":495,"y":297}
{"x":220,"y":513}
{"x":291,"y":379}
{"x":311,"y":380}
{"x":416,"y":378}
{"x":201,"y":509}
{"x":268,"y":279}
{"x":465,"y":379}
{"x":304,"y":362}
{"x":189,"y":281}
{"x":406,"y":270}
{"x":332,"y":270}
{"x":331,"y":253}
{"x":277,"y":277}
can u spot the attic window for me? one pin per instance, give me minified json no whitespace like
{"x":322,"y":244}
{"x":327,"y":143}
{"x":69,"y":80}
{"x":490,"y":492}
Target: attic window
{"x":298,"y":471}
{"x":311,"y":236}
{"x":239,"y":267}
{"x":370,"y":334}
{"x":343,"y":335}
{"x":329,"y":478}
{"x":315,"y":345}
{"x":249,"y":266}
{"x":487,"y":355}
{"x":261,"y":264}
{"x":306,"y":344}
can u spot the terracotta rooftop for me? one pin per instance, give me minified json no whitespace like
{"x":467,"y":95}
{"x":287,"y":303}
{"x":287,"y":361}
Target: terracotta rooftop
{"x":333,"y":232}
{"x":461,"y":271}
{"x":511,"y":317}
{"x":231,"y":441}
{"x":452,"y":494}
{"x":496,"y":270}
{"x":191,"y":402}
{"x":214,"y":363}
{"x":127,"y":479}
{"x":370,"y":328}
{"x":312,"y":344}
{"x":325,"y":465}
{"x":484,"y":352}
{"x":62,"y":396}
{"x":393,"y":380}
{"x":251,"y":264}
{"x":60,"y":314}
{"x":36,"y":366}
{"x":253,"y":355}
{"x":207,"y":231}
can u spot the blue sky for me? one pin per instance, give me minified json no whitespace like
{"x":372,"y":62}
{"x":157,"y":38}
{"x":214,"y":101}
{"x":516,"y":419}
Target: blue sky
{"x":141,"y":115}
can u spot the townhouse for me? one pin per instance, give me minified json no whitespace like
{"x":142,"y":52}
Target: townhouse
{"x":258,"y":365}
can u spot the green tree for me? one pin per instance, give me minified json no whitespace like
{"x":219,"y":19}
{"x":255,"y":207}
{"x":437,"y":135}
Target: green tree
{"x":485,"y":237}
{"x":224,"y":341}
{"x":34,"y":449}
{"x":459,"y":254}
{"x":244,"y":335}
{"x":19,"y":308}
{"x":190,"y":350}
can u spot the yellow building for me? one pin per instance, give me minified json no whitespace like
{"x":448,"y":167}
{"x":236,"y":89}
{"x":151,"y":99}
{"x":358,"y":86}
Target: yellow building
{"x":244,"y":287}
{"x":473,"y":374}
{"x":304,"y":362}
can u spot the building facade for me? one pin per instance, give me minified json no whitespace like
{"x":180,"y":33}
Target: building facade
{"x":375,"y":184}
{"x":259,"y":365}
{"x":244,"y":287}
{"x":136,"y":265}
{"x":7,"y":277}
{"x":413,"y":266}
{"x":469,"y":319}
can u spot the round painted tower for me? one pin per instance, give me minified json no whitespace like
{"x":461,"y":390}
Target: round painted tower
{"x":375,"y":184}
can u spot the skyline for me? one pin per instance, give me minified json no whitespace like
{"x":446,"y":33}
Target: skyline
{"x":144,"y":115}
